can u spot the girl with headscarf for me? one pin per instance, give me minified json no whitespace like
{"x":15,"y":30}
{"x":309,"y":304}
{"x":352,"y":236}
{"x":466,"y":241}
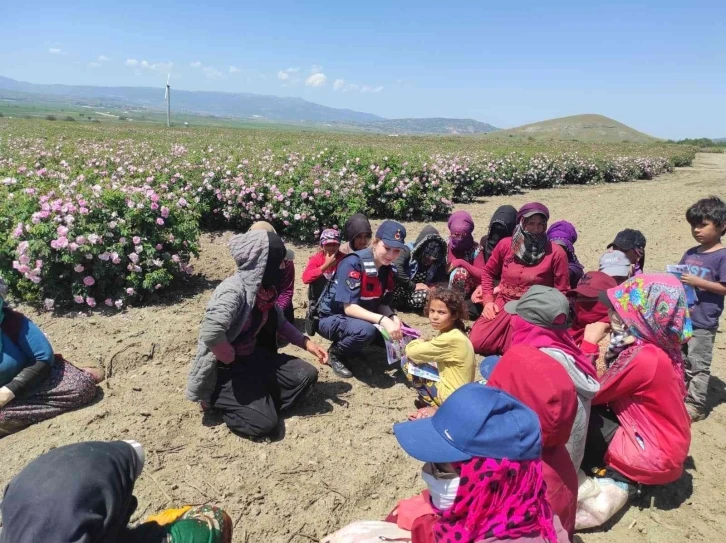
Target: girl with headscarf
{"x":35,"y":383}
{"x":640,"y":434}
{"x":543,"y":385}
{"x":527,"y":258}
{"x":249,"y":383}
{"x":462,"y":249}
{"x":483,"y":469}
{"x":319,"y":271}
{"x":564,"y":234}
{"x":87,"y":495}
{"x":358,"y":234}
{"x":420,"y":266}
{"x":286,"y":286}
{"x":501,"y":226}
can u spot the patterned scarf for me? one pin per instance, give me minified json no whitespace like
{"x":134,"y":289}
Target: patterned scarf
{"x":528,"y":248}
{"x":266,"y":298}
{"x":653,"y":309}
{"x":497,"y":498}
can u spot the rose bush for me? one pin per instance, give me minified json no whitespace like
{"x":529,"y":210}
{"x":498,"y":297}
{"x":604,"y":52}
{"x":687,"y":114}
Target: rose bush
{"x":98,"y":216}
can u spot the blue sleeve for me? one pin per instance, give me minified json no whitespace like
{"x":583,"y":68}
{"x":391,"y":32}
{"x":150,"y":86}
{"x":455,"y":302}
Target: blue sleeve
{"x":349,"y":278}
{"x":34,"y":344}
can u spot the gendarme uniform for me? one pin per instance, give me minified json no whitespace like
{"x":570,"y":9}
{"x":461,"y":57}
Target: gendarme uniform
{"x":358,"y":281}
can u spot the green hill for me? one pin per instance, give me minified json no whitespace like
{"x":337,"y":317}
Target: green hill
{"x":588,"y":128}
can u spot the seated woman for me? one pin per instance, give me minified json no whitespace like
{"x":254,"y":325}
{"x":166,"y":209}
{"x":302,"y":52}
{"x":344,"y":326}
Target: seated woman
{"x":540,"y":320}
{"x":564,"y":234}
{"x":450,"y":351}
{"x":35,"y":383}
{"x":88,"y":496}
{"x":483,"y":469}
{"x":527,"y":258}
{"x":286,"y":286}
{"x":462,"y":249}
{"x":358,"y":233}
{"x":501,"y":226}
{"x":418,"y":268}
{"x":540,"y":383}
{"x":320,"y":269}
{"x":640,"y":431}
{"x":248,"y":383}
{"x":632,"y":243}
{"x":359,"y":296}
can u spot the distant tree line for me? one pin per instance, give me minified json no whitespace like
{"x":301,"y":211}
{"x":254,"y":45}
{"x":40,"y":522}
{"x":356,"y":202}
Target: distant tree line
{"x":700,"y":142}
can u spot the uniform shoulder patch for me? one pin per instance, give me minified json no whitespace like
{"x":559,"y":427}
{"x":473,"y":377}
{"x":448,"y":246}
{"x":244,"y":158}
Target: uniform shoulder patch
{"x":354,"y":274}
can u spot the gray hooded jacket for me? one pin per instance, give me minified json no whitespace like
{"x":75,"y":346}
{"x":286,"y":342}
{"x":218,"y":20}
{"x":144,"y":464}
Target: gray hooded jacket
{"x":586,"y":388}
{"x":227,"y":311}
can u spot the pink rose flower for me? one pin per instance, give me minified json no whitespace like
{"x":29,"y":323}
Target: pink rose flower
{"x":78,"y":268}
{"x":78,"y":299}
{"x":160,"y":221}
{"x":108,"y":302}
{"x":89,"y":281}
{"x":91,"y":301}
{"x":130,"y":291}
{"x":136,"y":240}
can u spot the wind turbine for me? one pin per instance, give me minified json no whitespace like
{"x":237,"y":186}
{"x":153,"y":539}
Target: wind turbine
{"x":167,"y":97}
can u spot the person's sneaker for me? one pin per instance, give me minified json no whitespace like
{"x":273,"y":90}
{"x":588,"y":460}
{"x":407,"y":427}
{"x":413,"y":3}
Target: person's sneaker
{"x":695,"y":413}
{"x":334,"y":359}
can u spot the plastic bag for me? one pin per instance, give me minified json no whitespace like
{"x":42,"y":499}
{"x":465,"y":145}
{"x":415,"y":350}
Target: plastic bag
{"x":587,"y":487}
{"x":597,"y":510}
{"x":369,"y":531}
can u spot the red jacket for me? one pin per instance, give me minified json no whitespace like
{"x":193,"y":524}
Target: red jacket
{"x":312,"y":272}
{"x":516,"y":278}
{"x":542,"y":384}
{"x":646,"y":397}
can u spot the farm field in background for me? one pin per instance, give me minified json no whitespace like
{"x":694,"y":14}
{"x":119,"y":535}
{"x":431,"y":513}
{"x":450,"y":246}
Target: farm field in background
{"x":109,"y":213}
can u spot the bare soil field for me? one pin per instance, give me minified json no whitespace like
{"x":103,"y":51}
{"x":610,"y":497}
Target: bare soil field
{"x":336,"y":459}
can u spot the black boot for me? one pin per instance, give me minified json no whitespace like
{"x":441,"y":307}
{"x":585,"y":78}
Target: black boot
{"x":335,"y":359}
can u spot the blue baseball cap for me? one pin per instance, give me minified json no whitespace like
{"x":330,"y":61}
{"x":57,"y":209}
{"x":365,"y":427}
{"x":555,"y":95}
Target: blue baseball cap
{"x":393,"y":234}
{"x":475,"y":421}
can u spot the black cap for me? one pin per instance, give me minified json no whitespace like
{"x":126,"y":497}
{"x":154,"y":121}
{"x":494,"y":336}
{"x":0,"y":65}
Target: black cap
{"x":629,"y":239}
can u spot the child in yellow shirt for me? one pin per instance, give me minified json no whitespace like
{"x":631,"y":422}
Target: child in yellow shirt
{"x":451,"y":351}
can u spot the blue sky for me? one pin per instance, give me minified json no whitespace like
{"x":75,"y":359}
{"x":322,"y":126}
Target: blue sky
{"x":657,"y":66}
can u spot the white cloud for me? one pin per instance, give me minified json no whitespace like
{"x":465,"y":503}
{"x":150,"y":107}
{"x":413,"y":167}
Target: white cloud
{"x":103,"y":58}
{"x":94,"y":64}
{"x":145,"y":65}
{"x":234,"y":70}
{"x":56,"y":51}
{"x":284,"y":75}
{"x":339,"y":84}
{"x":368,"y":88}
{"x":316,"y":80}
{"x":316,"y":69}
{"x":196,"y":64}
{"x":212,"y":73}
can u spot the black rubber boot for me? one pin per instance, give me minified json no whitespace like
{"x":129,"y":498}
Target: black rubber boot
{"x":335,"y":359}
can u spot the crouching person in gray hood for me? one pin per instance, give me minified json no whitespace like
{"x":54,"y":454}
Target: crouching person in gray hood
{"x":248,"y":384}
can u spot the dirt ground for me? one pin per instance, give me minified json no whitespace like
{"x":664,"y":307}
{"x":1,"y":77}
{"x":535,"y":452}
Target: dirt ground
{"x":338,"y":460}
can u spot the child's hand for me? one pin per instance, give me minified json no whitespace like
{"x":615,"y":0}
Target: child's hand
{"x":490,"y":311}
{"x":423,"y":413}
{"x":690,"y":279}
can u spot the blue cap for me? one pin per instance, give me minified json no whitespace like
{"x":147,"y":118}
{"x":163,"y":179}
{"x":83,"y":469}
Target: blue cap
{"x":393,"y":234}
{"x":475,"y":421}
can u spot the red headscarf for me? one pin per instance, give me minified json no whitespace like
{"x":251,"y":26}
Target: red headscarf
{"x":525,"y":333}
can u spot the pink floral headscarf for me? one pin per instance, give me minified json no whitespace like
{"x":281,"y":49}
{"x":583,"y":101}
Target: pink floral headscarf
{"x":654,"y":310}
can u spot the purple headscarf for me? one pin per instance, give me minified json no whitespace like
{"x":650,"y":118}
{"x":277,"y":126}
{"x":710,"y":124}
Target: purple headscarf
{"x":564,"y":234}
{"x":462,"y":224}
{"x":531,"y":209}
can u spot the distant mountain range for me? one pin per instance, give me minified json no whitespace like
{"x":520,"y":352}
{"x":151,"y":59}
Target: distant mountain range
{"x":245,"y":106}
